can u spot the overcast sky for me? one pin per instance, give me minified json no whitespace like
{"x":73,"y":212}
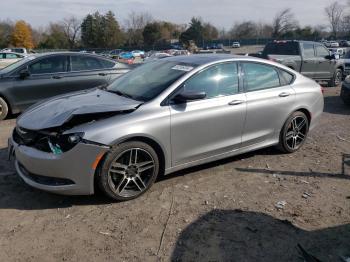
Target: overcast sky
{"x":222,"y":13}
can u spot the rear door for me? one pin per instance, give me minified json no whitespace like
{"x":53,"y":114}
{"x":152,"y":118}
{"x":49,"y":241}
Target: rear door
{"x":47,"y":78}
{"x":86,"y":72}
{"x":324,"y":66}
{"x":270,"y":100}
{"x":309,"y":66}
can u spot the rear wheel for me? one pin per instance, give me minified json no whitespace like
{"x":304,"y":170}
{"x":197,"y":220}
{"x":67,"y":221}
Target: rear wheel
{"x":129,"y":170}
{"x":294,"y":132}
{"x":4,"y":109}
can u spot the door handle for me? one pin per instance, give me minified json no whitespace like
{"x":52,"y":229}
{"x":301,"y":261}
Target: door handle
{"x":236,"y":102}
{"x":57,"y":77}
{"x":284,"y":94}
{"x":102,"y":74}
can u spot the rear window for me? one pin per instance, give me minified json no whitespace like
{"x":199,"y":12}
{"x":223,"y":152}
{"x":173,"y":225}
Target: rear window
{"x":82,"y":63}
{"x":282,"y":48}
{"x":107,"y":64}
{"x":286,"y":77}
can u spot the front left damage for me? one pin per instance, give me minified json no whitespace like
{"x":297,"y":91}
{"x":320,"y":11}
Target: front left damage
{"x":48,"y":156}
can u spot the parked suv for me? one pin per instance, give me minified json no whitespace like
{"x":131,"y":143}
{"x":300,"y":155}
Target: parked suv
{"x":312,"y":59}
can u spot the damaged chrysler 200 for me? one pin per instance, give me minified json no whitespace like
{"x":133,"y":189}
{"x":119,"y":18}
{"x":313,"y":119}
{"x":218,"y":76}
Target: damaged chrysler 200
{"x":161,"y":117}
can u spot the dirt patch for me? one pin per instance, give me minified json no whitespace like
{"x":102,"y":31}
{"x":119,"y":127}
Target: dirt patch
{"x":221,"y":211}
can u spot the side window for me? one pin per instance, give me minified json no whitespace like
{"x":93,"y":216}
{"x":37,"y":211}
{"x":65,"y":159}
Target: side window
{"x":107,"y":64}
{"x":259,"y":76}
{"x":286,"y":77}
{"x":218,"y":80}
{"x":308,"y":50}
{"x":53,"y":64}
{"x":11,"y":56}
{"x":321,"y":51}
{"x":82,"y":63}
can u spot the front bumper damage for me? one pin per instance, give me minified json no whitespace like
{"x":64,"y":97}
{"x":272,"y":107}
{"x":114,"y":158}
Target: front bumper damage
{"x":68,"y":173}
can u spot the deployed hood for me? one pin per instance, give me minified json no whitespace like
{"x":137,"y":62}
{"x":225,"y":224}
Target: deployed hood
{"x":59,"y":110}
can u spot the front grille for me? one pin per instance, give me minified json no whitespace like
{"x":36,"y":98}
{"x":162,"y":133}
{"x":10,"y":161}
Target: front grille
{"x":45,"y":180}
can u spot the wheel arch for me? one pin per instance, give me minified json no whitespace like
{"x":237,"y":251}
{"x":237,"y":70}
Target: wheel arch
{"x":302,"y":109}
{"x":141,"y":138}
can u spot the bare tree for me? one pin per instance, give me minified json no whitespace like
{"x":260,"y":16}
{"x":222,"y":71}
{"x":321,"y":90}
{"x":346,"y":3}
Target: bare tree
{"x":71,"y":27}
{"x":134,"y":25}
{"x":283,"y":22}
{"x":334,"y":13}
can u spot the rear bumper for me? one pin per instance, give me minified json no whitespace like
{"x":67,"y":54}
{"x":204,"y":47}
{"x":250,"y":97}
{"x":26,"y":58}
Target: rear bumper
{"x":70,"y":173}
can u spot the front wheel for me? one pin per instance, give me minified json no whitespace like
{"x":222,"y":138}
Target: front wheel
{"x":129,"y":170}
{"x":294,"y":132}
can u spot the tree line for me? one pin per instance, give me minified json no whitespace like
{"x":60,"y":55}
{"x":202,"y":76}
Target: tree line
{"x":98,"y":30}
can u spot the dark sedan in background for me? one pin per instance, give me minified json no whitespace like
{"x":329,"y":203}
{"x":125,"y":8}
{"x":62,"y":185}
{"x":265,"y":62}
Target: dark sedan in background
{"x":41,"y":76}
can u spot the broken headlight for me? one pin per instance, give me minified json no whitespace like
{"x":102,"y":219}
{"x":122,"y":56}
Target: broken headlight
{"x":63,"y":143}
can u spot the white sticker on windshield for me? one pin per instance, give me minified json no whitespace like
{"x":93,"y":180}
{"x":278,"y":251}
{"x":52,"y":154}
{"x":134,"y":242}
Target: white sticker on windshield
{"x":182,"y":68}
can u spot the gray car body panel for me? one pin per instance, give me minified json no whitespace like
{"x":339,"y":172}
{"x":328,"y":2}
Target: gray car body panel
{"x":23,"y":93}
{"x":261,"y":117}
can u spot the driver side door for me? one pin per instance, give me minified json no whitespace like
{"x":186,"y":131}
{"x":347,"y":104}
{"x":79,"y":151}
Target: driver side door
{"x":324,"y":65}
{"x":211,"y":126}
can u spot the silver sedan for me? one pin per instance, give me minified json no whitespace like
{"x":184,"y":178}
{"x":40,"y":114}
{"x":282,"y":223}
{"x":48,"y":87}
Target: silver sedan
{"x":161,"y":117}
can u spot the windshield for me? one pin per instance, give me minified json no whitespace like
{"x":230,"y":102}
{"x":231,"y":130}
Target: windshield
{"x":17,"y":64}
{"x":149,"y":80}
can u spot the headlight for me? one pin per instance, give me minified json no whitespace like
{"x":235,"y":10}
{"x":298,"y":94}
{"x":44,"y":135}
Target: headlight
{"x":64,"y":143}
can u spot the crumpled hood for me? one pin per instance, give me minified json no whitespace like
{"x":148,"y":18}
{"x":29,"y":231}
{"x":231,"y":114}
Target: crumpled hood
{"x":59,"y":110}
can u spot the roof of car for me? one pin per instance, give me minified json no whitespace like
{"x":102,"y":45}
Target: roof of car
{"x":65,"y":53}
{"x":202,"y":59}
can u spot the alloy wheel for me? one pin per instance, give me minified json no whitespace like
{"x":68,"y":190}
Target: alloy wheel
{"x":130,"y":172}
{"x":297,"y":132}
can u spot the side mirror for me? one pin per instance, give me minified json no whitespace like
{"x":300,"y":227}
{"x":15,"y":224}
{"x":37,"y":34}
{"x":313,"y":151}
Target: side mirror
{"x":24,"y":73}
{"x":186,"y":96}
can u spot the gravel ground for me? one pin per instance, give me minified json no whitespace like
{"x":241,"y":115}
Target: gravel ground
{"x":223,"y":211}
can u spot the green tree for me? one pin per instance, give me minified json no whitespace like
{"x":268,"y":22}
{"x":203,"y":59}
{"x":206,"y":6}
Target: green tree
{"x":152,"y":33}
{"x":99,"y":31}
{"x":6,"y":28}
{"x":194,"y":32}
{"x":54,"y":38}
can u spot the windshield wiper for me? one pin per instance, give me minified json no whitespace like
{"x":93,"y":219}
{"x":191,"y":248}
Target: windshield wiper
{"x":119,"y":93}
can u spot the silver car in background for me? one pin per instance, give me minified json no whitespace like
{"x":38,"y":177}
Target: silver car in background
{"x":161,"y":117}
{"x":8,"y":58}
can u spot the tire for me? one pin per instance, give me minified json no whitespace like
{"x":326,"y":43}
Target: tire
{"x":4,"y":109}
{"x":120,"y":175}
{"x":336,"y":79}
{"x":294,"y":133}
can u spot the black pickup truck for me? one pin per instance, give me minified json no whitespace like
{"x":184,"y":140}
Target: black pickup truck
{"x":311,"y":59}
